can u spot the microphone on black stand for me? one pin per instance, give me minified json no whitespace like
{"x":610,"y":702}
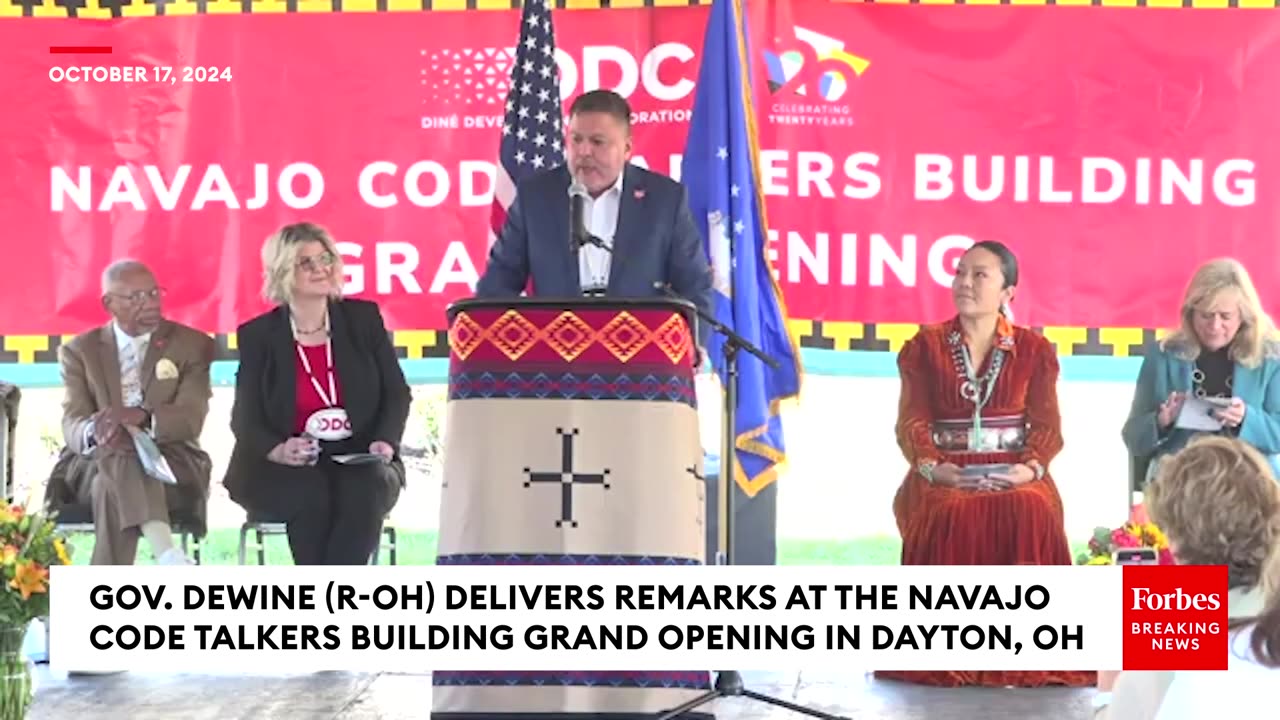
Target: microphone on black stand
{"x":577,"y":215}
{"x":730,"y":337}
{"x":579,"y":235}
{"x":729,"y":683}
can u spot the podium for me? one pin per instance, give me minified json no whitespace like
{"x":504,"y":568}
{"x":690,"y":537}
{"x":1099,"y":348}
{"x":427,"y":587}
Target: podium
{"x":572,"y":438}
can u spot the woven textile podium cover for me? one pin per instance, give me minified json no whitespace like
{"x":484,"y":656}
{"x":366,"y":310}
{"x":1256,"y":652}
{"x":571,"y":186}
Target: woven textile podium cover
{"x":571,"y":438}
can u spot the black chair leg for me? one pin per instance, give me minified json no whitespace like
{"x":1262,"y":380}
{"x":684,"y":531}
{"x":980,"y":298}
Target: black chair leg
{"x":262,"y":547}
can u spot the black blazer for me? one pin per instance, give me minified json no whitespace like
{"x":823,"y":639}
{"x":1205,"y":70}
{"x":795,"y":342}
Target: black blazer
{"x":374,"y":391}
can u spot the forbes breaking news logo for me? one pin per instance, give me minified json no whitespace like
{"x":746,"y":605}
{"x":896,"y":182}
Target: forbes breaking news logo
{"x":1175,"y":617}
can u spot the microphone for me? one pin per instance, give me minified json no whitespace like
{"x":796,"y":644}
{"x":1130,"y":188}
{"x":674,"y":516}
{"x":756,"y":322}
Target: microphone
{"x":578,"y":235}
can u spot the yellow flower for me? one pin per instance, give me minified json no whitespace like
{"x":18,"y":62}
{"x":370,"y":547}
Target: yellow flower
{"x":6,"y":514}
{"x":1099,"y":560}
{"x":29,"y":578}
{"x":8,"y":554}
{"x":1155,"y":538}
{"x":61,"y":548}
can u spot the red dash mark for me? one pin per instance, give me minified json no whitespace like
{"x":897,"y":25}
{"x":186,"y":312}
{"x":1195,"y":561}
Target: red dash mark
{"x":80,"y":50}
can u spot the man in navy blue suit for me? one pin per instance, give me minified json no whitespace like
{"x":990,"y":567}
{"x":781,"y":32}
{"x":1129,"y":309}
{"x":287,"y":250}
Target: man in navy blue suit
{"x":642,"y":216}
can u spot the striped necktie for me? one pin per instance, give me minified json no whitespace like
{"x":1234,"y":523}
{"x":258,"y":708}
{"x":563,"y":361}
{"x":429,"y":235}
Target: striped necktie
{"x":130,"y":379}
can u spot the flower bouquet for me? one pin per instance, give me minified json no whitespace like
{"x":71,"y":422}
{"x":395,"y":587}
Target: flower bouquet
{"x":1106,"y":541}
{"x":29,"y":545}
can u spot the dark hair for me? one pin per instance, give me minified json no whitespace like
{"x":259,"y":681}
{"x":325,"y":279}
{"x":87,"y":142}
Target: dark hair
{"x":1008,"y":261}
{"x":603,"y":101}
{"x":1265,"y":643}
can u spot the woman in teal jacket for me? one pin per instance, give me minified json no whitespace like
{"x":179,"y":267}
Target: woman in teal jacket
{"x":1226,"y":348}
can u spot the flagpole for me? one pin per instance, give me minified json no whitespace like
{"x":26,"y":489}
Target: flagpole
{"x":729,"y":683}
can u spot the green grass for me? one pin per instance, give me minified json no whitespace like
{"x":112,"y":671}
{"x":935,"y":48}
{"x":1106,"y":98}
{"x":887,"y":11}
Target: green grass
{"x":419,"y":547}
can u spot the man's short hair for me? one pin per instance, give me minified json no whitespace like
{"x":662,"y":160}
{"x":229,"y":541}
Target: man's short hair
{"x":120,"y":268}
{"x":603,"y":101}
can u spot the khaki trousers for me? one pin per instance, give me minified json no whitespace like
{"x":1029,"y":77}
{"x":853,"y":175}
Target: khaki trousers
{"x":123,"y":497}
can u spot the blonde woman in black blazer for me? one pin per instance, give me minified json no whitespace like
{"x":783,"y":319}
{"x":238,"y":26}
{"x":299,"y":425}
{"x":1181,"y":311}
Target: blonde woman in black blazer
{"x":318,"y":378}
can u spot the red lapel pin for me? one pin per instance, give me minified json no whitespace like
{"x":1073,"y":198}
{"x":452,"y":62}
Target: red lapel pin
{"x":639,"y":194}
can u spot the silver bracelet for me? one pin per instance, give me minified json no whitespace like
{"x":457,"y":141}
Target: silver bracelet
{"x":925,"y":469}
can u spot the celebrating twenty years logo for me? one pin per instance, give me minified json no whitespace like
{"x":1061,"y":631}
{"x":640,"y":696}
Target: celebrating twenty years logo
{"x":816,"y":67}
{"x":1175,"y":617}
{"x":812,"y":80}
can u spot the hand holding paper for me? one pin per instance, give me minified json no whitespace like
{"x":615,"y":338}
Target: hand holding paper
{"x":1199,"y":414}
{"x":153,"y":461}
{"x":1229,"y":413}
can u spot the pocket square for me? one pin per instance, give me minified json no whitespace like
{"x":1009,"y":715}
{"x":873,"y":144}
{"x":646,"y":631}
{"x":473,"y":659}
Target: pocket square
{"x":166,"y":370}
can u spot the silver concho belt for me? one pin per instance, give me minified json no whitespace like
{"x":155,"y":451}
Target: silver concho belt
{"x":1005,"y":433}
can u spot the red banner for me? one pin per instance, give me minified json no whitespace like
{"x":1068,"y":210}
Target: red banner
{"x":1112,"y":149}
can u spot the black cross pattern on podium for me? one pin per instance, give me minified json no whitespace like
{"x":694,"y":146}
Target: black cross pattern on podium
{"x":567,"y":478}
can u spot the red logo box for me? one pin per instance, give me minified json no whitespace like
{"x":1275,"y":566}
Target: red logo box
{"x":1175,"y":617}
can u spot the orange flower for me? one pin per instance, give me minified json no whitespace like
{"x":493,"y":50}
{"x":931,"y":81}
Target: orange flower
{"x":29,"y":578}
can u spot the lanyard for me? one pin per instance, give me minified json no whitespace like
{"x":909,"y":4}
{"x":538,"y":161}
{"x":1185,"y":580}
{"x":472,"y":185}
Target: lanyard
{"x":329,"y":399}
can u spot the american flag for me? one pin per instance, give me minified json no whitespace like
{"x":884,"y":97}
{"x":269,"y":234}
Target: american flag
{"x":532,"y":134}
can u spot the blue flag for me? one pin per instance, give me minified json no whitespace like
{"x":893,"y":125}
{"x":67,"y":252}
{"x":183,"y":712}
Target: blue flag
{"x":721,"y":172}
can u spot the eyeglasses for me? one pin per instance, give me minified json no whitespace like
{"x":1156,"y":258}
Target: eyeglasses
{"x":137,"y":297}
{"x":323,"y":261}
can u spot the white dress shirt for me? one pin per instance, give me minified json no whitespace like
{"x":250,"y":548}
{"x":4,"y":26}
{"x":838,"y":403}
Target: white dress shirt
{"x":130,"y":351}
{"x":602,"y":221}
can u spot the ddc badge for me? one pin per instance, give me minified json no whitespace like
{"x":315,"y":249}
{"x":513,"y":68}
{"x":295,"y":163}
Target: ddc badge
{"x":329,"y":424}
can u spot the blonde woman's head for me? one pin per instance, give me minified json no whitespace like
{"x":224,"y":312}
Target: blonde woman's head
{"x":301,"y":260}
{"x":1221,"y":309}
{"x":1218,"y":502}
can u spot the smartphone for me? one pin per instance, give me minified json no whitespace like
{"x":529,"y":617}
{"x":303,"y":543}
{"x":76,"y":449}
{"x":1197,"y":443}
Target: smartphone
{"x":1136,"y":556}
{"x":981,"y":471}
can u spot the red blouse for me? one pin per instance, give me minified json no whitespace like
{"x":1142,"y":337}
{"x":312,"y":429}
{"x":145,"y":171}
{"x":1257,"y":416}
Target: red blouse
{"x":309,"y":401}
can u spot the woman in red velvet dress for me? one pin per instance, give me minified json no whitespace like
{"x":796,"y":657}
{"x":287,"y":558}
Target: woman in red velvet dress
{"x":978,"y":391}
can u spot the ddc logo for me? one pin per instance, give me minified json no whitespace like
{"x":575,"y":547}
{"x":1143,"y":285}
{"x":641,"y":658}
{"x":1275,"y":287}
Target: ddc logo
{"x":817,"y":68}
{"x":329,"y":424}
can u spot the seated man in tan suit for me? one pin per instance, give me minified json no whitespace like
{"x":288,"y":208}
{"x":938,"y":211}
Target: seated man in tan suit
{"x":144,"y":372}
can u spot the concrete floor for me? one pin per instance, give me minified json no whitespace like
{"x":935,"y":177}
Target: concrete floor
{"x":388,"y":696}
